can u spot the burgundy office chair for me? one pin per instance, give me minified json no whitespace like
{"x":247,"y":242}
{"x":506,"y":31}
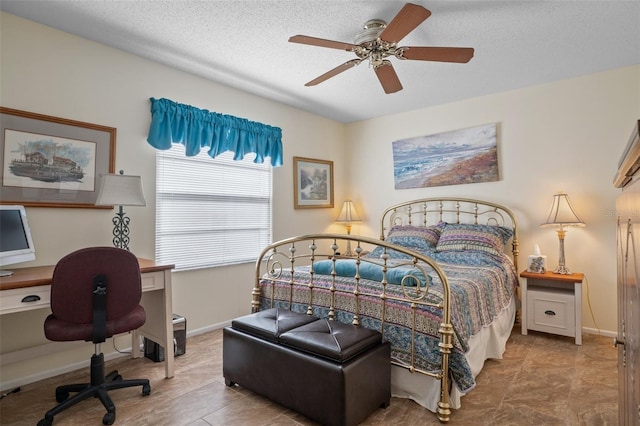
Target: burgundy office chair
{"x":95,"y":294}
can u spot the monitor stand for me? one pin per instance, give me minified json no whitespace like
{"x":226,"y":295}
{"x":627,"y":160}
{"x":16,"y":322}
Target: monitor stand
{"x":5,"y":273}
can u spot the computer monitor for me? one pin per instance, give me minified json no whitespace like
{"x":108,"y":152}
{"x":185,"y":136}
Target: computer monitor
{"x":16,"y":244}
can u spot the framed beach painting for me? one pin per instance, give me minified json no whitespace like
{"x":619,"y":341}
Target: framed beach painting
{"x":312,"y":183}
{"x":52,"y":162}
{"x":451,"y":158}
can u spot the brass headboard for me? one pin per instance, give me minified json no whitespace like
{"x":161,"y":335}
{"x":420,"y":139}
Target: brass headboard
{"x":430,"y":211}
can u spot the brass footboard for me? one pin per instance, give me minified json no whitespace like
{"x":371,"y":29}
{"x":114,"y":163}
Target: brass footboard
{"x":380,"y":288}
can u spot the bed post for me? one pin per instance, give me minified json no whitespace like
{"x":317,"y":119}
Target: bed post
{"x":256,"y":291}
{"x":515,"y":245}
{"x":444,"y":408}
{"x":446,"y":344}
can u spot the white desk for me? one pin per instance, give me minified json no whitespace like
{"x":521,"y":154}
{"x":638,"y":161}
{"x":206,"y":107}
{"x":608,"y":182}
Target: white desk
{"x":34,"y":284}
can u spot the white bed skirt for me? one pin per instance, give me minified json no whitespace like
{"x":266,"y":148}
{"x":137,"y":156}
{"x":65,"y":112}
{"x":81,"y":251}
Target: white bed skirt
{"x":490,"y":342}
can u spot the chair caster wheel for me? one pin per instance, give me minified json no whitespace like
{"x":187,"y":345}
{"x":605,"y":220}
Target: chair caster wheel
{"x":146,"y":390}
{"x":118,"y":377}
{"x":109,"y":419}
{"x":45,"y":422}
{"x":61,"y":395}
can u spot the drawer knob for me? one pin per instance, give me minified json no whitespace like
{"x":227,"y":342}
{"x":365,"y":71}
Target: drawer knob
{"x":30,"y":298}
{"x":549,"y":312}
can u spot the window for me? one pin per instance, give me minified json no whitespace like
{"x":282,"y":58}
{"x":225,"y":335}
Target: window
{"x":211,"y":212}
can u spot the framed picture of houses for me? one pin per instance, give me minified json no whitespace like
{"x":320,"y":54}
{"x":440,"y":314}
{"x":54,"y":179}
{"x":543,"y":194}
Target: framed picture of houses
{"x":312,"y":183}
{"x":47,"y":161}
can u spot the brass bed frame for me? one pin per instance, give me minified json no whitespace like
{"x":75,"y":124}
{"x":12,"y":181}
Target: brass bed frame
{"x":278,"y":262}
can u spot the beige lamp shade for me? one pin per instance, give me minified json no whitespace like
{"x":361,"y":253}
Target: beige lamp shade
{"x":348,"y":214}
{"x":121,"y":190}
{"x":562,"y":213}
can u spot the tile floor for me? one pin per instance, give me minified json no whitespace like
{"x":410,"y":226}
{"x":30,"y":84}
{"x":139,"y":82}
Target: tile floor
{"x":542,"y":380}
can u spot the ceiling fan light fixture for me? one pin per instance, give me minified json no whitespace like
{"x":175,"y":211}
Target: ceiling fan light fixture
{"x":379,"y":41}
{"x":372,"y":30}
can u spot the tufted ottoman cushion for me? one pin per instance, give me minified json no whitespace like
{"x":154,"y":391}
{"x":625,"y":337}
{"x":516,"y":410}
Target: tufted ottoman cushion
{"x":331,"y":339}
{"x":270,"y":324}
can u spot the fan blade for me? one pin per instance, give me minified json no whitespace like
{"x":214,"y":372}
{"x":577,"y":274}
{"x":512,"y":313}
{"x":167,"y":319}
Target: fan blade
{"x":439,"y":54}
{"x":388,"y":77}
{"x":410,"y":16}
{"x":337,"y":70}
{"x":314,"y":41}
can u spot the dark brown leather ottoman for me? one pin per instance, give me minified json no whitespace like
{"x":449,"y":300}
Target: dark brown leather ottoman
{"x":333,"y":373}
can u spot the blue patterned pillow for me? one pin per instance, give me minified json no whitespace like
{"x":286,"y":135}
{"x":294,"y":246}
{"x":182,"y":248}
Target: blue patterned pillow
{"x":417,"y":238}
{"x":378,"y":251}
{"x":463,"y":237}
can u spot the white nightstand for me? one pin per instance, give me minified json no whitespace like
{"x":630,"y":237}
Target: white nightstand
{"x":552,"y":303}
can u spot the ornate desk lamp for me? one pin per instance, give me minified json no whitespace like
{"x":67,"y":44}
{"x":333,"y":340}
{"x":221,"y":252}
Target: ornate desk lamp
{"x":561,"y":215}
{"x":121,"y":190}
{"x":348,"y":215}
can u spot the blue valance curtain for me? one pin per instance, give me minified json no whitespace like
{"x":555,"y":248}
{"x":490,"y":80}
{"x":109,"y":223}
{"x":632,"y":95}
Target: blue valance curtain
{"x":195,"y":128}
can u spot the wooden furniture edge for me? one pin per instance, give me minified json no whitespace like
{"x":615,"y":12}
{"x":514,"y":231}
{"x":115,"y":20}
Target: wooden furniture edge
{"x":34,"y":276}
{"x":570,"y":278}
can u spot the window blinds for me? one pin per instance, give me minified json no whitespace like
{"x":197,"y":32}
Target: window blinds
{"x":211,"y":212}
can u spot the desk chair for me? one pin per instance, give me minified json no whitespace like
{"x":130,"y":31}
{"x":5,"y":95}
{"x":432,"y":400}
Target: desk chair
{"x":95,"y":294}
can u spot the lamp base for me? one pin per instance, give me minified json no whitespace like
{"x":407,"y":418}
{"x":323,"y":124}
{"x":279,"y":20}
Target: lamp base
{"x":121,"y":229}
{"x":561,"y":269}
{"x":349,"y":252}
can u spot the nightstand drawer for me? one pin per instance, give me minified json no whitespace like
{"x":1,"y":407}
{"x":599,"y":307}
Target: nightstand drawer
{"x":551,"y":311}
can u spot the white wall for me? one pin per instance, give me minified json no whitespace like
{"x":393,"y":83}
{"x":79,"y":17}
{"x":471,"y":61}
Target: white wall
{"x":566,"y":135}
{"x":54,"y":73}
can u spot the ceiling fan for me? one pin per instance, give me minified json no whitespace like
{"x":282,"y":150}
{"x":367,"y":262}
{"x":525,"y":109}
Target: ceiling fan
{"x":379,"y":40}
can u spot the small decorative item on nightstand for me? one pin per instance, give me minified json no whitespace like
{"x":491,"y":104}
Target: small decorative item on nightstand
{"x":537,"y":262}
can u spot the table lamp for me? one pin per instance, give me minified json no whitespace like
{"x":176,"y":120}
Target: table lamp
{"x":121,"y":190}
{"x":348,"y":215}
{"x":561,"y":215}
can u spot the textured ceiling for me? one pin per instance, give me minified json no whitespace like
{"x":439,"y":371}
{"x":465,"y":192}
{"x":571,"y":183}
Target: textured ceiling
{"x":243,"y":44}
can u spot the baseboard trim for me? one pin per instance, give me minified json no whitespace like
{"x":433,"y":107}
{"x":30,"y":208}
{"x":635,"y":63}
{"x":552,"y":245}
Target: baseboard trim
{"x":53,"y":347}
{"x":208,"y":328}
{"x":46,"y":374}
{"x":605,"y":333}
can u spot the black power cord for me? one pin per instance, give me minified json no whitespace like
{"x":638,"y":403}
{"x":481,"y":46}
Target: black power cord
{"x":15,"y":390}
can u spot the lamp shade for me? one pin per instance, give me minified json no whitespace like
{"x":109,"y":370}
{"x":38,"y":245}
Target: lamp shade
{"x":348,"y":213}
{"x":562,"y":213}
{"x":121,"y":190}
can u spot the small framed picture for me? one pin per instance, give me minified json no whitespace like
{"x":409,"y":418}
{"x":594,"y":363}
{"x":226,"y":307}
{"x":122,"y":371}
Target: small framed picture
{"x":312,"y":183}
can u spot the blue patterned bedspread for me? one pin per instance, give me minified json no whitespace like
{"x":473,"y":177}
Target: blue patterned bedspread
{"x":482,"y":286}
